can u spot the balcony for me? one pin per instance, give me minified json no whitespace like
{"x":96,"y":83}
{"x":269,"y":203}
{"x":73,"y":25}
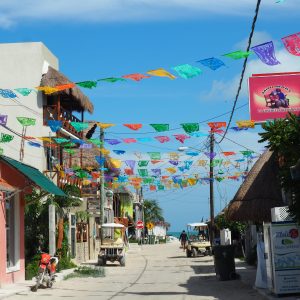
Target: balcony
{"x":53,"y":112}
{"x":61,"y":182}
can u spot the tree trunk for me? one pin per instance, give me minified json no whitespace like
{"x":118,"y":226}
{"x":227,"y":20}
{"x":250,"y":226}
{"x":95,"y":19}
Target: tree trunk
{"x":60,"y":233}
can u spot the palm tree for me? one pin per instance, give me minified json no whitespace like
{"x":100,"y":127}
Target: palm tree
{"x":152,"y":211}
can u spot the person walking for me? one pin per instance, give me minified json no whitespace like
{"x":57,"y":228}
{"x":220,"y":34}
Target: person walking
{"x":183,"y":239}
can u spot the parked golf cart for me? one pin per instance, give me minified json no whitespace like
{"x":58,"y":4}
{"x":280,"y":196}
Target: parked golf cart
{"x":113,"y":244}
{"x":198,"y":244}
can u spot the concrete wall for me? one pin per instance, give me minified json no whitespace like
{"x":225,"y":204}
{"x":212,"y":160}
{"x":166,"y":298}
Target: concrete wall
{"x":13,"y":177}
{"x":82,"y":252}
{"x":22,"y":66}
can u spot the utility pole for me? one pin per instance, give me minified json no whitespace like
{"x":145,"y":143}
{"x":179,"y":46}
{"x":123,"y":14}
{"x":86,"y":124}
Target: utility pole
{"x":101,"y":183}
{"x":211,"y":188}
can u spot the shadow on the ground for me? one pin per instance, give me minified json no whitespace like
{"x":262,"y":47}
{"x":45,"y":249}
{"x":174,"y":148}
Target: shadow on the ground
{"x":205,"y":283}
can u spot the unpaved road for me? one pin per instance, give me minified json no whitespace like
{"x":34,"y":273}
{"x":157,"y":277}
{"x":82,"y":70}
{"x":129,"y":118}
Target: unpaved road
{"x":153,"y":272}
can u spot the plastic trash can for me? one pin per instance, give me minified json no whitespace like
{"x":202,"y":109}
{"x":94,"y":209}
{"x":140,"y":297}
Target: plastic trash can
{"x":224,"y":262}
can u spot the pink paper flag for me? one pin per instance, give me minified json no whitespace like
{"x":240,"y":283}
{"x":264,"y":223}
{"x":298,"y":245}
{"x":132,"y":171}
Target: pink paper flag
{"x":181,"y":137}
{"x":162,"y":139}
{"x":136,"y":76}
{"x":292,"y":43}
{"x":129,"y":141}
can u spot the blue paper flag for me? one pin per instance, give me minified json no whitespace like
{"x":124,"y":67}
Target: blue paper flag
{"x":54,"y":125}
{"x":33,"y":144}
{"x":212,"y":63}
{"x":6,"y":93}
{"x":100,"y":160}
{"x":76,"y":141}
{"x":119,"y":152}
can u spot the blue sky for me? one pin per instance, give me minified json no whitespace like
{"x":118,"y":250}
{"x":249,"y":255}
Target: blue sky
{"x":98,"y":38}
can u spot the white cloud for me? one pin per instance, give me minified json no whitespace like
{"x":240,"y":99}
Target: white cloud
{"x":128,"y":10}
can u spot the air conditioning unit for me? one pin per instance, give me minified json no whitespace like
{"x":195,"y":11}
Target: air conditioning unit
{"x":280,"y":214}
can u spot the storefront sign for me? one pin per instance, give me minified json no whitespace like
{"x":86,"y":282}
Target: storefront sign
{"x":272,"y":96}
{"x":286,"y":253}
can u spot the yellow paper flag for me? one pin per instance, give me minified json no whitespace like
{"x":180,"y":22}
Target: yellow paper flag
{"x":171,"y":170}
{"x":45,"y":139}
{"x":245,"y":124}
{"x":116,"y":163}
{"x":105,"y":125}
{"x":161,"y":73}
{"x":202,"y":162}
{"x":47,"y":89}
{"x":192,"y":181}
{"x":104,"y":151}
{"x":173,"y":155}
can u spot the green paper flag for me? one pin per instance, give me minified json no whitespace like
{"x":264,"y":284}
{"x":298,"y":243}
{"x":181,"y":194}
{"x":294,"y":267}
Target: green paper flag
{"x":148,"y":180}
{"x":238,"y":54}
{"x":96,"y":142}
{"x":69,"y":145}
{"x":219,"y":179}
{"x":143,"y":172}
{"x":6,"y":138}
{"x":24,"y":91}
{"x":1,"y":151}
{"x":26,"y":121}
{"x":70,"y":151}
{"x":247,"y":152}
{"x":112,"y":79}
{"x":79,"y":126}
{"x":81,"y":174}
{"x":160,"y":187}
{"x":187,"y":71}
{"x":143,"y":163}
{"x":190,"y":127}
{"x":87,"y":84}
{"x":160,"y":127}
{"x":61,"y":140}
{"x":216,"y":162}
{"x":154,"y":155}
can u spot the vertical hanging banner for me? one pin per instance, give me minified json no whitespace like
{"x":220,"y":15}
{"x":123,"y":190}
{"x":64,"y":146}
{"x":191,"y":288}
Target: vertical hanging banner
{"x":266,"y":53}
{"x":292,"y":43}
{"x":273,"y":96}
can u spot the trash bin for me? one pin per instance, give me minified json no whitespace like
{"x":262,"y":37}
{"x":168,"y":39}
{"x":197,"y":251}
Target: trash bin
{"x":224,"y":262}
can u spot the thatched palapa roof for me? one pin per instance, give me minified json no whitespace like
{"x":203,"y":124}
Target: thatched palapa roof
{"x":73,"y":98}
{"x":259,"y":192}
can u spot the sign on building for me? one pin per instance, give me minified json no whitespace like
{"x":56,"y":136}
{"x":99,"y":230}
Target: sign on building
{"x":272,"y":96}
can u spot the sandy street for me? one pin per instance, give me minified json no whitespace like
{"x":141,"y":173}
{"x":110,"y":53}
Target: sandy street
{"x":153,"y":272}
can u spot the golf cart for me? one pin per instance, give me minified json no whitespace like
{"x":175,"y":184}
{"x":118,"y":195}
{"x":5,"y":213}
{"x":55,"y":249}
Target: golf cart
{"x":198,"y":244}
{"x":113,"y":244}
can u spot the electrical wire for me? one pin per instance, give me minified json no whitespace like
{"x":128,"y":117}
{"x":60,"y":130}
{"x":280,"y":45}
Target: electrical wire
{"x":243,"y":69}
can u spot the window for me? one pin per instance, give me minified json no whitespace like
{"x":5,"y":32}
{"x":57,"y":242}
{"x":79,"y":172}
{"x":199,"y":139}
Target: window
{"x":12,"y":232}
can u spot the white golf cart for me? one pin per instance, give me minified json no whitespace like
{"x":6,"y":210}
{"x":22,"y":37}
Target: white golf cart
{"x":198,"y":244}
{"x":113,"y":244}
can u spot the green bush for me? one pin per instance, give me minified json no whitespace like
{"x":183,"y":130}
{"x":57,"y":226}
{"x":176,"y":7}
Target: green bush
{"x":65,"y":263}
{"x":83,"y":272}
{"x":32,"y":267}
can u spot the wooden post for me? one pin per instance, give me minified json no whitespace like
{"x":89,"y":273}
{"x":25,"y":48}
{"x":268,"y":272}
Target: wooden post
{"x":211,"y":190}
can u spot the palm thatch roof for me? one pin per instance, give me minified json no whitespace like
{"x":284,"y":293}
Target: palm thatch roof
{"x":72,"y":98}
{"x":86,"y":157}
{"x":259,"y":192}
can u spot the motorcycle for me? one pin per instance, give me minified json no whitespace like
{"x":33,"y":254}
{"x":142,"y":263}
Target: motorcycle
{"x":46,"y":274}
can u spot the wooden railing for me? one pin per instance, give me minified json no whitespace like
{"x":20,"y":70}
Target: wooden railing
{"x":65,"y":180}
{"x":51,"y":113}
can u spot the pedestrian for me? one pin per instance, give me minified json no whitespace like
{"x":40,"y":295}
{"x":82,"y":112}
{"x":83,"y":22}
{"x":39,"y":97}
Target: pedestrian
{"x":183,"y":239}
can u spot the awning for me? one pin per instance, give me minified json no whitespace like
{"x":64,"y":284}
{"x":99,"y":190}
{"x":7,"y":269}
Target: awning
{"x":34,"y":175}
